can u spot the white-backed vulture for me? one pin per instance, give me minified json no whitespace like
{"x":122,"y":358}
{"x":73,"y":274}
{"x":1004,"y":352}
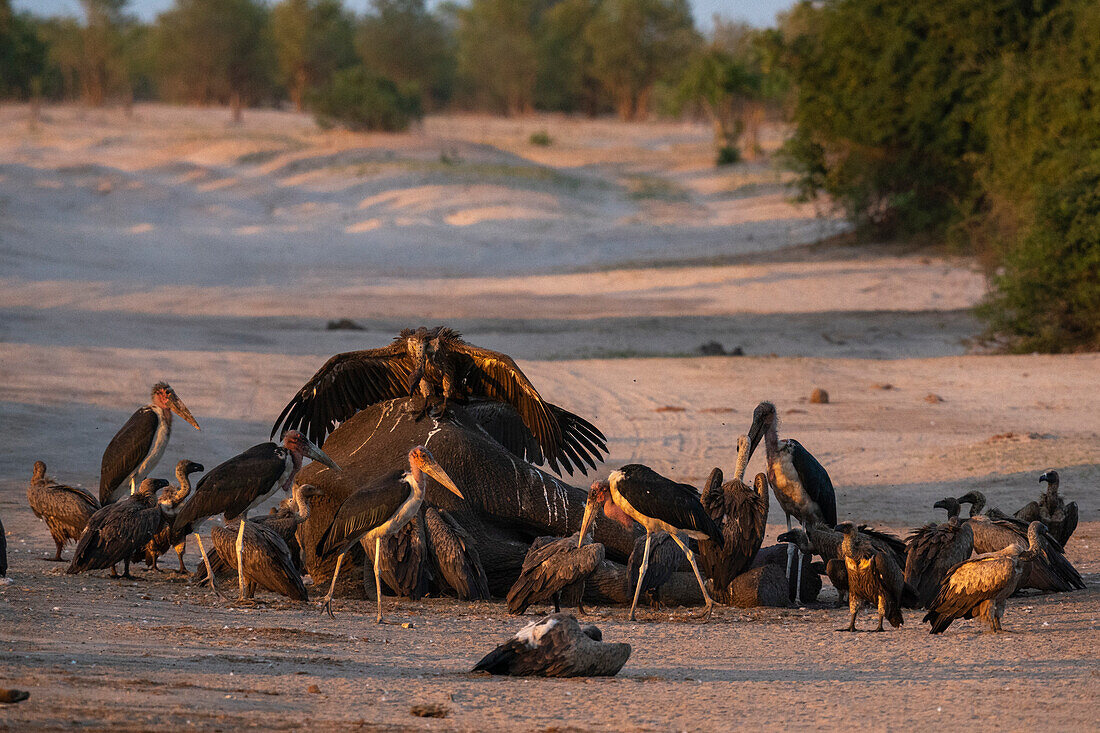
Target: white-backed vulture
{"x":874,"y":579}
{"x":556,"y":646}
{"x":936,"y":548}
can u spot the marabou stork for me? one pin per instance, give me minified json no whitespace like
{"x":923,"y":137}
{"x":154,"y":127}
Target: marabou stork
{"x":556,"y":646}
{"x":660,"y":505}
{"x":243,"y":482}
{"x":874,"y":578}
{"x":268,"y":561}
{"x":65,"y":509}
{"x":741,"y":513}
{"x":801,"y":484}
{"x":117,"y":531}
{"x":442,"y":367}
{"x":166,"y":537}
{"x":1050,"y":571}
{"x":455,"y":556}
{"x":555,"y":569}
{"x":137,"y":447}
{"x":934,"y":549}
{"x":1059,"y":517}
{"x":980,"y":587}
{"x":379,"y":510}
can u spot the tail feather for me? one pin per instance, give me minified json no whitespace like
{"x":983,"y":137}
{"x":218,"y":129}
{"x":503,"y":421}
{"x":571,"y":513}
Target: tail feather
{"x":939,"y":621}
{"x":499,"y":661}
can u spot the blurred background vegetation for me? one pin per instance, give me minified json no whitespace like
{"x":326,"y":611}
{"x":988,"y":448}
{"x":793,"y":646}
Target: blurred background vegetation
{"x":973,"y":125}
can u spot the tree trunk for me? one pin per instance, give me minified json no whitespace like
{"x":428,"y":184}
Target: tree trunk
{"x":235,"y":105}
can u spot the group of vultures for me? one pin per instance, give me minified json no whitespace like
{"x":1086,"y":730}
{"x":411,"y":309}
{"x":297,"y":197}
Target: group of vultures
{"x":429,"y":474}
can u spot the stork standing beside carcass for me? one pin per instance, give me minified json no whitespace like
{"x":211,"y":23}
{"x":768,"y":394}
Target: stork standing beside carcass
{"x":660,"y":505}
{"x":137,"y":447}
{"x":243,"y":482}
{"x":379,"y":510}
{"x":801,"y":484}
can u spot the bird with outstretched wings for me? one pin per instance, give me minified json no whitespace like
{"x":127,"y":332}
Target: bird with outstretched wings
{"x":442,"y":367}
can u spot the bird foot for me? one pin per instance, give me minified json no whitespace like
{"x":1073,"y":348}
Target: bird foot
{"x":247,"y":603}
{"x":127,"y":576}
{"x":326,"y":607}
{"x":847,"y":628}
{"x":878,"y":630}
{"x":50,"y":558}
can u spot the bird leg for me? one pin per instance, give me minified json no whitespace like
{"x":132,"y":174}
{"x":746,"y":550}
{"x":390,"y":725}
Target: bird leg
{"x":241,"y":582}
{"x":126,"y":569}
{"x":557,"y":602}
{"x":180,"y":549}
{"x":326,"y":604}
{"x":57,"y":557}
{"x":209,"y":570}
{"x":641,"y":573}
{"x":790,"y":556}
{"x":114,"y":571}
{"x":798,"y":582}
{"x":377,"y":575}
{"x":698,"y":576}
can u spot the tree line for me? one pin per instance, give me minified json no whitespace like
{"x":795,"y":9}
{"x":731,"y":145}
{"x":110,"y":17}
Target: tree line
{"x":627,"y":57}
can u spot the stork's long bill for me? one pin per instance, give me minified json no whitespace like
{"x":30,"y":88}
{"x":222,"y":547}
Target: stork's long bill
{"x":319,"y":455}
{"x":420,"y":458}
{"x":599,"y":493}
{"x":177,"y":406}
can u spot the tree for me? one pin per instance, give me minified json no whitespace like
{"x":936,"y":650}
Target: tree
{"x":313,"y":39}
{"x":22,"y":53}
{"x":360,"y":100}
{"x":102,"y":71}
{"x":216,"y":51}
{"x":498,"y":52}
{"x":566,"y":80}
{"x":726,"y":89}
{"x":635,"y":43}
{"x":401,"y":40}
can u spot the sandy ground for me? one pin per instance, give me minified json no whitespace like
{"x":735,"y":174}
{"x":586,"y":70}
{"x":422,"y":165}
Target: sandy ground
{"x":173,"y":245}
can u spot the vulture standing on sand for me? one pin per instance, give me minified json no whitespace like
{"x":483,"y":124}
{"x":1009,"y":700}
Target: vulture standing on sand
{"x":825,"y":542}
{"x":455,"y":557}
{"x":138,"y":445}
{"x":1049,"y":571}
{"x":268,"y":561}
{"x":741,"y":513}
{"x":243,"y":482}
{"x":980,"y":587}
{"x":1059,"y":517}
{"x":65,"y":509}
{"x":556,"y":646}
{"x":117,"y":531}
{"x":442,"y":367}
{"x":658,"y":504}
{"x":801,"y":484}
{"x":377,"y":511}
{"x":665,"y":559}
{"x":167,"y":537}
{"x":555,"y":569}
{"x":874,"y":579}
{"x":935,"y":549}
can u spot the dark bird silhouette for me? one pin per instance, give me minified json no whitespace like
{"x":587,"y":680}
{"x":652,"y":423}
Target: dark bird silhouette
{"x":802,"y":485}
{"x":741,"y":513}
{"x":665,"y":559}
{"x":117,"y":531}
{"x":555,"y":569}
{"x":556,"y":646}
{"x":935,"y":549}
{"x":378,"y":510}
{"x":167,"y":537}
{"x":658,"y":504}
{"x":3,"y":552}
{"x":1049,"y":571}
{"x":1059,"y":517}
{"x":452,"y":550}
{"x":874,"y":579}
{"x":439,"y":365}
{"x":139,"y":444}
{"x":980,"y":587}
{"x":403,"y":563}
{"x":65,"y":509}
{"x":267,"y":559}
{"x":243,"y":482}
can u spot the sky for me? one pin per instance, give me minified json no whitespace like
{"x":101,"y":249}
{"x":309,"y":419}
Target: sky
{"x":760,"y":13}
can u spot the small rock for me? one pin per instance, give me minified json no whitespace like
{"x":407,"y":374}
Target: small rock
{"x":712,"y":348}
{"x":313,"y":689}
{"x":406,"y":625}
{"x":343,"y":324}
{"x":13,"y":696}
{"x":932,"y":399}
{"x":819,"y":396}
{"x":884,"y":386}
{"x":430,"y":710}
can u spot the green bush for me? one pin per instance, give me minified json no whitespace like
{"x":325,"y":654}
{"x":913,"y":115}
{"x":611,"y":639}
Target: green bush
{"x":541,"y":138}
{"x":728,"y":155}
{"x":360,"y":100}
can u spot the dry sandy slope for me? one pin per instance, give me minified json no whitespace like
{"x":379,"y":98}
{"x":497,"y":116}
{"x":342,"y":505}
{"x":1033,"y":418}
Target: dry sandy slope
{"x":175,"y":246}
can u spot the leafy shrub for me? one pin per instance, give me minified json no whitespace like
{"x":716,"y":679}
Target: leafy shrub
{"x":728,"y":155}
{"x":541,"y":138}
{"x":360,"y":100}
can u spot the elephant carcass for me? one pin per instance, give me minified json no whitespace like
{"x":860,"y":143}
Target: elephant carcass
{"x":508,"y":501}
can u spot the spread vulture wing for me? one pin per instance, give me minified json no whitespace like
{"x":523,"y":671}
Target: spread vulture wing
{"x":494,"y":376}
{"x":126,"y":451}
{"x":582,"y":442}
{"x":347,"y":383}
